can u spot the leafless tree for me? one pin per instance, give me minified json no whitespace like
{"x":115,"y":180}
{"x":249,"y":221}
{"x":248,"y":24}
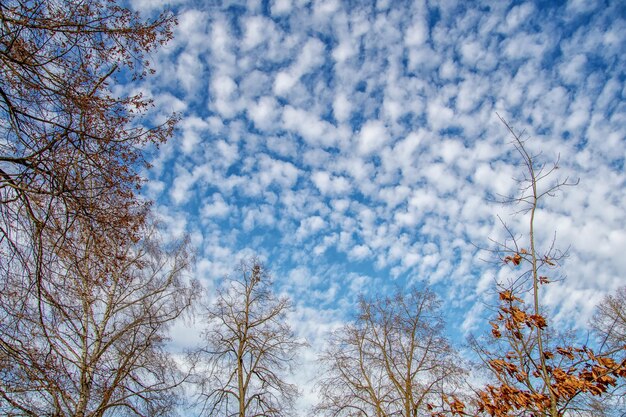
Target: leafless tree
{"x":609,"y":320}
{"x":393,"y":360}
{"x":609,"y":326}
{"x":249,"y":349}
{"x":92,"y":343}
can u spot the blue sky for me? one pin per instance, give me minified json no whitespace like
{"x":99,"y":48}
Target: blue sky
{"x":353,"y":145}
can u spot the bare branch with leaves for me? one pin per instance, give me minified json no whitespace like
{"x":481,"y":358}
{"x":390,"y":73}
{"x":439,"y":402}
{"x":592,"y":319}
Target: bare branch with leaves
{"x":84,"y":303}
{"x":533,"y":368}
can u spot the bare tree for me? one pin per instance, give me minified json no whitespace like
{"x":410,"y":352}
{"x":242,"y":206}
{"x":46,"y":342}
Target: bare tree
{"x":93,"y":342}
{"x":393,"y":360}
{"x":249,"y":349}
{"x":535,"y":369}
{"x":609,"y":320}
{"x":609,"y":326}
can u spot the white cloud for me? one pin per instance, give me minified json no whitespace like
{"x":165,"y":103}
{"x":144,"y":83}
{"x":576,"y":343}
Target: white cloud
{"x":329,"y":184}
{"x":359,"y":252}
{"x":147,"y":6}
{"x":417,"y":33}
{"x":216,"y":207}
{"x":471,"y":94}
{"x":281,"y":7}
{"x":344,"y":51}
{"x":264,"y":113}
{"x":180,"y":191}
{"x":323,"y":8}
{"x":225,"y":92}
{"x":311,"y":56}
{"x":308,"y":125}
{"x":524,"y":45}
{"x":256,"y":84}
{"x":393,"y":196}
{"x":309,"y":226}
{"x":262,"y":216}
{"x":193,"y":129}
{"x":273,"y":171}
{"x":473,"y":53}
{"x":340,"y":205}
{"x":579,"y":113}
{"x":440,"y":116}
{"x":228,"y":153}
{"x":221,"y":46}
{"x":372,"y":137}
{"x":189,"y":70}
{"x":224,"y":86}
{"x":316,"y":157}
{"x":342,"y":108}
{"x":580,"y":6}
{"x":448,"y":70}
{"x":283,"y":146}
{"x":284,"y":82}
{"x":496,"y":180}
{"x":256,"y":29}
{"x":571,"y":70}
{"x":518,"y":16}
{"x":369,"y":134}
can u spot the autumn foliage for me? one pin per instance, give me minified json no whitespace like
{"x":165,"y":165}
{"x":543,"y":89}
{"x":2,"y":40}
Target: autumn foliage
{"x":86,"y":292}
{"x":569,"y":371}
{"x":534,"y":370}
{"x":71,"y":147}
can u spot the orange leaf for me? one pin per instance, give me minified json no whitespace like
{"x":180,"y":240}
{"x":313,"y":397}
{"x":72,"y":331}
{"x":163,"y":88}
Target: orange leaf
{"x":539,"y":320}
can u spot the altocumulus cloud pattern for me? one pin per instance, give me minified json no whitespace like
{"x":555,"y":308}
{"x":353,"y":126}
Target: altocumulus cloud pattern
{"x":354,"y":145}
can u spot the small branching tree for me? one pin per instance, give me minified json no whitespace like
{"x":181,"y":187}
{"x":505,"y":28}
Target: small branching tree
{"x":249,"y":349}
{"x":609,"y":326}
{"x":534,"y":370}
{"x":393,"y":360}
{"x":609,"y":321}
